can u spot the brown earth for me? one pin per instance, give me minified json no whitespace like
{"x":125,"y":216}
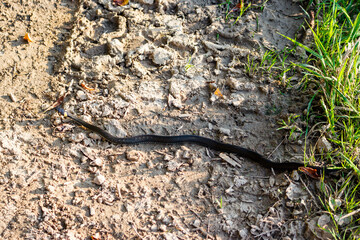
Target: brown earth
{"x":154,"y":66}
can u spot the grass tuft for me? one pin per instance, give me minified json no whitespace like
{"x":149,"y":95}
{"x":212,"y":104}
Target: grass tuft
{"x":334,"y":67}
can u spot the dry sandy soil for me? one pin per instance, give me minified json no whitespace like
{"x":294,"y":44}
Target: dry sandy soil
{"x":154,"y":66}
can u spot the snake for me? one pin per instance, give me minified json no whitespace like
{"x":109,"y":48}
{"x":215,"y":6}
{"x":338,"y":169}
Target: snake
{"x":316,"y":171}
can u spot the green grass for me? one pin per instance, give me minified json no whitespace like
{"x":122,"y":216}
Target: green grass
{"x":333,"y":67}
{"x":239,"y":7}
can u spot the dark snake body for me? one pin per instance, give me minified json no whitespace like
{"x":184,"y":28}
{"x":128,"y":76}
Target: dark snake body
{"x":202,"y":141}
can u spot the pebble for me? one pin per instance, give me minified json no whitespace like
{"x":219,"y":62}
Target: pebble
{"x":196,"y":223}
{"x":138,"y":69}
{"x":134,"y":155}
{"x":324,"y":220}
{"x":163,"y":227}
{"x":295,"y":175}
{"x":115,"y":47}
{"x":154,"y":228}
{"x":225,"y":131}
{"x":272,"y":181}
{"x":87,"y":142}
{"x":97,"y":162}
{"x":244,"y":233}
{"x":81,"y":95}
{"x":77,"y":137}
{"x":99,"y":179}
{"x":94,"y":136}
{"x":149,"y":2}
{"x":174,"y":102}
{"x":324,"y":145}
{"x":161,"y":56}
{"x":237,"y":99}
{"x":240,"y":180}
{"x":296,"y":192}
{"x":341,"y":220}
{"x":12,"y":97}
{"x":50,"y":188}
{"x":91,"y":211}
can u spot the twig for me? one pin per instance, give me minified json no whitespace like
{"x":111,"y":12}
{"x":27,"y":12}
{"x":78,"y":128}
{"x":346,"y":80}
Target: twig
{"x":270,"y":231}
{"x":132,"y":225}
{"x":276,"y":148}
{"x":307,"y":189}
{"x":350,"y":214}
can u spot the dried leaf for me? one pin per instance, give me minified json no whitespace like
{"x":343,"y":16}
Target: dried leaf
{"x":86,"y":87}
{"x":218,"y":93}
{"x":237,"y":7}
{"x":28,"y":38}
{"x":120,"y":2}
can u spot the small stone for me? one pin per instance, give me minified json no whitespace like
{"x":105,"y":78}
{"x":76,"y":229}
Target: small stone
{"x":174,"y":25}
{"x":272,"y":181}
{"x":81,"y":95}
{"x":210,"y":59}
{"x":196,"y":223}
{"x":12,"y":97}
{"x":154,"y":228}
{"x":296,"y":192}
{"x":161,"y":56}
{"x":115,"y":47}
{"x":149,"y":2}
{"x":97,"y":162}
{"x":173,"y":165}
{"x":77,"y":137}
{"x":237,"y":99}
{"x":163,"y":227}
{"x":295,"y":175}
{"x":324,"y":145}
{"x":138,"y":69}
{"x":106,"y":111}
{"x":91,"y":211}
{"x":239,"y":181}
{"x":50,"y":188}
{"x":324,"y":221}
{"x":99,"y":179}
{"x":341,"y":220}
{"x":225,"y":131}
{"x":244,"y":233}
{"x":134,"y":155}
{"x":94,"y":136}
{"x":87,"y":142}
{"x":176,"y":102}
{"x":314,"y":230}
{"x":160,"y":215}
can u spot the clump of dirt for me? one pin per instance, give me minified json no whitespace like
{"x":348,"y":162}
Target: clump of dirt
{"x":150,"y":67}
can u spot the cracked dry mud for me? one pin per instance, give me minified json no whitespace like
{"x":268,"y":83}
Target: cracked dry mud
{"x":154,"y":66}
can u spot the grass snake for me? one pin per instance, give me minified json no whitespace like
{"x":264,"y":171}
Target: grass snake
{"x":205,"y":142}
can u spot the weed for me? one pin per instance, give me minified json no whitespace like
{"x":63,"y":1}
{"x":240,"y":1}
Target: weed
{"x":295,"y":131}
{"x":189,"y":65}
{"x":227,"y":4}
{"x":220,"y":202}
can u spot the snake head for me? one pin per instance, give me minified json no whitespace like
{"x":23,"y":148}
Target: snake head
{"x":61,"y":111}
{"x":314,"y":173}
